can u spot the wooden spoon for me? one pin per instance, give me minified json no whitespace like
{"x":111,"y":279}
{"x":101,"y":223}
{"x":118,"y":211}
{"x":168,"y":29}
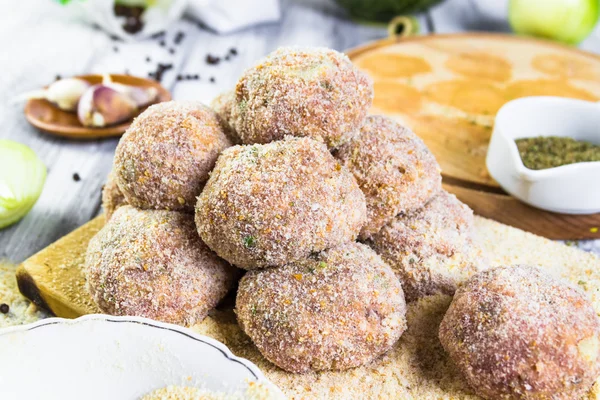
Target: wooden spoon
{"x":47,"y":117}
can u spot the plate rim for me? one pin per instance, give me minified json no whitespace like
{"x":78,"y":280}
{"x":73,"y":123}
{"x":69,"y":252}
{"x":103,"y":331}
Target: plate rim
{"x":223,"y":349}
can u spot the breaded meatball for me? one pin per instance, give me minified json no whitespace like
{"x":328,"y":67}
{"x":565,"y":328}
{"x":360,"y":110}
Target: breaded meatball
{"x":394,"y":169}
{"x":268,"y":205}
{"x":337,"y":309}
{"x":431,"y":249}
{"x":164,"y":158}
{"x":152,"y":264}
{"x":311,"y":92}
{"x":223,"y":105}
{"x":518,"y":333}
{"x":112,"y":198}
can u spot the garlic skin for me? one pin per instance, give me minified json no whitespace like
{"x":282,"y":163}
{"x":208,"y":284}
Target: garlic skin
{"x":102,"y":105}
{"x":140,"y":95}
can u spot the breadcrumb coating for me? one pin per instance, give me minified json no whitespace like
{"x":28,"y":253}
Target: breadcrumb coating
{"x":431,"y":249}
{"x":254,"y":391}
{"x":268,"y":205}
{"x":164,"y":158}
{"x":112,"y":198}
{"x":394,"y":169}
{"x":311,"y":92}
{"x":332,"y":311}
{"x":518,"y":333}
{"x":223,"y":106}
{"x":152,"y":264}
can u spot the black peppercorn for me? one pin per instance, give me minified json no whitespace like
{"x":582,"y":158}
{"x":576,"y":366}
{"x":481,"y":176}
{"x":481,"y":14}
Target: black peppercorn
{"x":76,"y":177}
{"x":212,"y":60}
{"x":4,"y":308}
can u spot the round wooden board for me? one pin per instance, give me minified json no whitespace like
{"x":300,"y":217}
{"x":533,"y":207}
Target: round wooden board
{"x":448,"y":88}
{"x":49,"y":118}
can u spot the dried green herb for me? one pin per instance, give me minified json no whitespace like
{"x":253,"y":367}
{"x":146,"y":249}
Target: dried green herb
{"x":250,"y":241}
{"x":545,"y":152}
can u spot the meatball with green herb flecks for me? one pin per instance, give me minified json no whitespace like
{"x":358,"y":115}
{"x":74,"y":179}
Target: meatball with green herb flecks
{"x":308,"y":92}
{"x":332,"y":311}
{"x":223,"y":106}
{"x":432,"y":249}
{"x":152,"y":264}
{"x":112,"y":198}
{"x":515,"y":332}
{"x":164,"y":158}
{"x":394,"y":169}
{"x":268,"y":205}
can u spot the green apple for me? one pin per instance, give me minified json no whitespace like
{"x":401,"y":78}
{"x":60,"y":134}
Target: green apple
{"x":567,"y":21}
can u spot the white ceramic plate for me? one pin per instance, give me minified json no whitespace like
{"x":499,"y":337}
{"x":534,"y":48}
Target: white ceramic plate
{"x":117,"y":358}
{"x":569,"y":189}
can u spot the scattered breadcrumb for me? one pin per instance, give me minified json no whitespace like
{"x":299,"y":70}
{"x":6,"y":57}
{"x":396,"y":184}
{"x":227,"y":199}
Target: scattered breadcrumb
{"x":20,"y":310}
{"x":255,"y":391}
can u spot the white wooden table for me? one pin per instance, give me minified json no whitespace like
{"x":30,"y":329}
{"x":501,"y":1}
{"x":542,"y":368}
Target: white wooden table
{"x":38,"y":40}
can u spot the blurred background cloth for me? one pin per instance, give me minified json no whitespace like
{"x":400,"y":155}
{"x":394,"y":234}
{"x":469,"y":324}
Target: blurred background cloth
{"x":224,"y":16}
{"x":133,"y":19}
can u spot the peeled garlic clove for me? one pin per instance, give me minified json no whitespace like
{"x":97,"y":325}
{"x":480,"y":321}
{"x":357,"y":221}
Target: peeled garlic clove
{"x":64,"y":93}
{"x":102,"y":106}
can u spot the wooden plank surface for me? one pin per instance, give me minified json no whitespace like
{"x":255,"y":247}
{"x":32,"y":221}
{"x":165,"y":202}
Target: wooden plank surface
{"x":40,"y":40}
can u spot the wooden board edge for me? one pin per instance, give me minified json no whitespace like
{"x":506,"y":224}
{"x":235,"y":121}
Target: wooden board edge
{"x":359,"y":50}
{"x":29,"y":272}
{"x":510,"y":211}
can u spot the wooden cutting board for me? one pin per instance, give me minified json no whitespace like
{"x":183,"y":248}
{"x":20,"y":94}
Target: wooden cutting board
{"x":448,"y":88}
{"x":416,"y":368}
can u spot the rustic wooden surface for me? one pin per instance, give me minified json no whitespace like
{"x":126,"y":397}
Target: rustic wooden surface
{"x":39,"y":40}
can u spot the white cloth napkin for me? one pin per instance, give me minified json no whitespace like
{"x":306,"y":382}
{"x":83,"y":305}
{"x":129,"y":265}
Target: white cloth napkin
{"x":223,"y":16}
{"x":226,"y":16}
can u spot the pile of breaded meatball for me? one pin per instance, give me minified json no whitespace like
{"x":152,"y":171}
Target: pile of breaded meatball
{"x":333,"y":219}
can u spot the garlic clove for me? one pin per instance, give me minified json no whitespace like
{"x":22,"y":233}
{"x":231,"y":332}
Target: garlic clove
{"x":102,"y":106}
{"x":64,"y":93}
{"x":142,"y":96}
